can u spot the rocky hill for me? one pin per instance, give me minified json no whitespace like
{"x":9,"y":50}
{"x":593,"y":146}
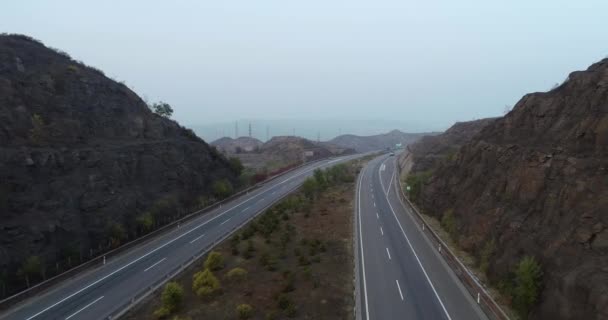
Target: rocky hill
{"x":238,"y":145}
{"x":428,"y":150}
{"x":535,"y":183}
{"x":375,"y":142}
{"x":84,"y":164}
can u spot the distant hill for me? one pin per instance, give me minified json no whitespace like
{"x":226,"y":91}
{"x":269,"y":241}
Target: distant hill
{"x":238,"y":145}
{"x":287,"y":150}
{"x":376,"y":142}
{"x":83,"y":159}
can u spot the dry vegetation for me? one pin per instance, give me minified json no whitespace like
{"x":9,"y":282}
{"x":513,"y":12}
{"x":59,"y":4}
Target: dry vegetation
{"x":294,"y":261}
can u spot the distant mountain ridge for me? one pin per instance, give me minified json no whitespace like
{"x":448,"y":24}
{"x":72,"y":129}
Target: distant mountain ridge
{"x":376,"y":142}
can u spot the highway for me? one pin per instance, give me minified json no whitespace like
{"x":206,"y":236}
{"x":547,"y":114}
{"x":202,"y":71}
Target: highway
{"x":102,"y":292}
{"x":400,"y":275}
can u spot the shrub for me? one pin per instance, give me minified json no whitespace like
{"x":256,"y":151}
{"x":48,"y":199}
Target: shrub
{"x":290,"y":312}
{"x":222,"y":188}
{"x":171,"y":298}
{"x":205,"y":283}
{"x":237,"y":275}
{"x":162,"y":109}
{"x":283,"y":301}
{"x":528,"y":282}
{"x":448,"y":222}
{"x":244,"y":311}
{"x":415,"y":182}
{"x":38,"y":133}
{"x":486,"y":254}
{"x":145,"y":221}
{"x":215,"y":261}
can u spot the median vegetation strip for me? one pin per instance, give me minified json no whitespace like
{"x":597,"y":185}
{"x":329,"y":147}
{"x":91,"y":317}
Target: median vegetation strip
{"x":293,"y":261}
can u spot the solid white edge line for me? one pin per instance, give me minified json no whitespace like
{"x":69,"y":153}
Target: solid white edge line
{"x":389,"y":254}
{"x":162,"y":246}
{"x":416,"y":255}
{"x":88,"y":305}
{"x":154,"y":265}
{"x":225,"y":221}
{"x":202,"y":235}
{"x":362,"y":253}
{"x":399,"y":288}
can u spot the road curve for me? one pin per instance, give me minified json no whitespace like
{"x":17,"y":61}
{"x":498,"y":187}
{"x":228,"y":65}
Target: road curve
{"x":400,"y":275}
{"x":102,"y":292}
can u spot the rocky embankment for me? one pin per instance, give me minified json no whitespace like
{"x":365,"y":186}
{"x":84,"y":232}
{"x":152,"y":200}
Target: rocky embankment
{"x":535,"y":183}
{"x":84,"y":164}
{"x":429,"y":150}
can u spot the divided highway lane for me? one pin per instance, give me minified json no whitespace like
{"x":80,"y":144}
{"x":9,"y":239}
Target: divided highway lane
{"x":401,"y":276}
{"x":100,"y":293}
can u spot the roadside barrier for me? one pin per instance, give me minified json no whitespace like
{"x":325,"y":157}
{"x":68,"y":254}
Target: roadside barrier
{"x":101,"y":258}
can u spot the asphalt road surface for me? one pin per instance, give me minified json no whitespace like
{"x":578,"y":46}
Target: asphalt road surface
{"x":101,"y":292}
{"x":400,"y":274}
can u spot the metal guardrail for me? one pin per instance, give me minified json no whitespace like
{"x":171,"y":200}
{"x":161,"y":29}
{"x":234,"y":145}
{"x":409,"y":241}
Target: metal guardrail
{"x":139,"y":297}
{"x":470,"y":282}
{"x":101,"y":258}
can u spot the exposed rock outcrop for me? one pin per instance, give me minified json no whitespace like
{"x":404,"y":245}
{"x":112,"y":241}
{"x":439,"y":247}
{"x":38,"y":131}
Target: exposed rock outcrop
{"x":429,"y":150}
{"x":536,"y":181}
{"x":82,"y":156}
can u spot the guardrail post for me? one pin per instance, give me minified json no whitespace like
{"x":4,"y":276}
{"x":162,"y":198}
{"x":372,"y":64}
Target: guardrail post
{"x":478,"y":297}
{"x":104,"y":260}
{"x":423,"y":227}
{"x":439,"y":248}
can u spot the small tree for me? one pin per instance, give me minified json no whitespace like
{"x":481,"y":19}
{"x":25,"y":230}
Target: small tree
{"x":528,"y":282}
{"x":222,"y":188}
{"x":31,"y":266}
{"x":205,"y":283}
{"x":37,"y":132}
{"x":171,"y":298}
{"x":236,"y":165}
{"x":310,"y":187}
{"x":162,"y":109}
{"x":244,"y":311}
{"x":145,"y":221}
{"x":215,"y":261}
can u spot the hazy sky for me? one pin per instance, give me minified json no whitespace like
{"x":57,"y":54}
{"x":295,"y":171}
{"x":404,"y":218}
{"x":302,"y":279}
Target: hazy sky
{"x":426,"y":63}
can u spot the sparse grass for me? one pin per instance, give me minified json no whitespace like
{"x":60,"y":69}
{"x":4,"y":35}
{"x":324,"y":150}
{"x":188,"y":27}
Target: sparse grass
{"x":293,"y":261}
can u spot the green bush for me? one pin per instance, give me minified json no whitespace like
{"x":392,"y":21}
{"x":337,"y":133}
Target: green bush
{"x":448,"y":222}
{"x":38,"y":132}
{"x":416,"y":182}
{"x":244,"y":311}
{"x":291,"y":311}
{"x":205,"y":284}
{"x":528,"y":285}
{"x":283,"y":301}
{"x":486,"y":255}
{"x":171,"y":298}
{"x":145,"y":221}
{"x":215,"y":261}
{"x":237,"y":275}
{"x":222,"y":188}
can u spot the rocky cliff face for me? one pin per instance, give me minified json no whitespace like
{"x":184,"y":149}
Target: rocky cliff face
{"x":536,"y":182}
{"x":429,"y":150}
{"x":82,"y":157}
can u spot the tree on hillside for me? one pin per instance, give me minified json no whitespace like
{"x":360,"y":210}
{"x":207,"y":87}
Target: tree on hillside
{"x":162,"y":109}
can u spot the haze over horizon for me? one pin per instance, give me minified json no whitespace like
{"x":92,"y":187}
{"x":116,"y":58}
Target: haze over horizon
{"x":420,"y":64}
